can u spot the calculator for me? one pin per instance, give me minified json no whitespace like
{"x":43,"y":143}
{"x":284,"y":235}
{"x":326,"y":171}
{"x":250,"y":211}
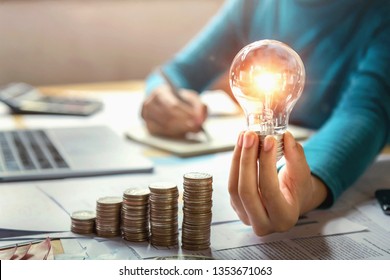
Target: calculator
{"x":23,"y":98}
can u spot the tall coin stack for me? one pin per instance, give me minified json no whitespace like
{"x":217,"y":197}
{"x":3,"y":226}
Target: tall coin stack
{"x":135,"y":215}
{"x":164,"y":214}
{"x":108,"y":211}
{"x":197,"y":204}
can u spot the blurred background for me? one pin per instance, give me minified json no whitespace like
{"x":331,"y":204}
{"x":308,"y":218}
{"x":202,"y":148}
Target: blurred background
{"x":45,"y":42}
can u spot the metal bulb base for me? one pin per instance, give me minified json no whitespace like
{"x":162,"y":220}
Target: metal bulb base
{"x":280,"y":144}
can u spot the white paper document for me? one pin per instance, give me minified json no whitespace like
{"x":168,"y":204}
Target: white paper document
{"x":25,"y":207}
{"x":234,"y":235}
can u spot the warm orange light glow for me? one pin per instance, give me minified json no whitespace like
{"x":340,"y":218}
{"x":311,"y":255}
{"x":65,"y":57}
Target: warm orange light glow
{"x":267,"y":82}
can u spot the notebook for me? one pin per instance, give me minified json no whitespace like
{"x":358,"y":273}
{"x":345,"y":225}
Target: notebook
{"x":54,"y":153}
{"x":222,"y":130}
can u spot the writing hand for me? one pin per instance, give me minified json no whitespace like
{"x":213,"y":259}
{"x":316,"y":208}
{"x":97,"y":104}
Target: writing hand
{"x":164,"y":114}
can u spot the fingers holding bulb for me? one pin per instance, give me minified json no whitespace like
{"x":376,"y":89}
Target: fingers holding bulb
{"x":233,"y":181}
{"x":277,"y":198}
{"x":260,"y":198}
{"x":243,"y":184}
{"x":248,"y":185}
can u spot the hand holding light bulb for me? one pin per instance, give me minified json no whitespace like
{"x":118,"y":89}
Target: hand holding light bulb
{"x":267,"y":79}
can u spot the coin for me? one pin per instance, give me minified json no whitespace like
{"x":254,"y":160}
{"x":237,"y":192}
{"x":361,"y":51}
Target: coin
{"x":83,"y":215}
{"x":197,"y":176}
{"x":110,"y":200}
{"x":136,"y":192}
{"x":162,"y":187}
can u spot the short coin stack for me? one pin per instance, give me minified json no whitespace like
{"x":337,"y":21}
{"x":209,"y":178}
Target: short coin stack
{"x":197,"y":204}
{"x":108,"y":211}
{"x":164,"y":214}
{"x":135,"y":215}
{"x":83,"y":222}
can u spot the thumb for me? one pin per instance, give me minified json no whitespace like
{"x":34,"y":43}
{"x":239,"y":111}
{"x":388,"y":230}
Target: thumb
{"x":294,"y":155}
{"x":268,"y":178}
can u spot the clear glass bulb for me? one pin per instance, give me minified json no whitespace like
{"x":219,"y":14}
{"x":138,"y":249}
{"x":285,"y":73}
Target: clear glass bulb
{"x":267,"y":78}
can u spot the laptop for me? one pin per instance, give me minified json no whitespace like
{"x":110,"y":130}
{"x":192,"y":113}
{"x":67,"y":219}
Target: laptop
{"x":55,"y":153}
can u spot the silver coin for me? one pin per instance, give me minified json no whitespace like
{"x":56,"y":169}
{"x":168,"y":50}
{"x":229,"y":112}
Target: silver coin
{"x":110,"y":200}
{"x":83,"y":215}
{"x":136,"y":192}
{"x":197,"y":176}
{"x":162,"y":186}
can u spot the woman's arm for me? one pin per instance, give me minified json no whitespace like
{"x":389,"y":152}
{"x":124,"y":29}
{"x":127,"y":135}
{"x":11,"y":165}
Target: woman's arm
{"x":210,"y":53}
{"x":360,"y":125}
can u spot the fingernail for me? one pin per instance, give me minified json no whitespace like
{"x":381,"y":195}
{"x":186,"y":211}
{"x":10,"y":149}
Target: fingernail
{"x":239,"y":141}
{"x":248,"y":140}
{"x":268,"y":143}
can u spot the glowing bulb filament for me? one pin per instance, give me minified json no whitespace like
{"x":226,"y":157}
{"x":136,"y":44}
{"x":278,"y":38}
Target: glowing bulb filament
{"x":267,"y":82}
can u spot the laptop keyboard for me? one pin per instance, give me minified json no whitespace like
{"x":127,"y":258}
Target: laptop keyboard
{"x":28,"y":150}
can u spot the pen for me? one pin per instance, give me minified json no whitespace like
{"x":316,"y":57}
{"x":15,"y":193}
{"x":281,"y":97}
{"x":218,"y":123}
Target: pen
{"x":175,"y":92}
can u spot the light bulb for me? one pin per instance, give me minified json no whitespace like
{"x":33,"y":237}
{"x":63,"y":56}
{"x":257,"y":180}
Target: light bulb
{"x":267,"y":78}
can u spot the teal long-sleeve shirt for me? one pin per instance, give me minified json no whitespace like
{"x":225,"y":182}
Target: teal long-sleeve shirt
{"x":345,"y":46}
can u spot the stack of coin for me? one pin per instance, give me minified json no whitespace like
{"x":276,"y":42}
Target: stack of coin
{"x":83,"y":222}
{"x":197,"y":204}
{"x":108,"y":212}
{"x":135,"y":215}
{"x":164,"y":214}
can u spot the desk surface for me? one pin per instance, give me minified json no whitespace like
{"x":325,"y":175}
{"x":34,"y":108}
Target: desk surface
{"x":342,"y":208}
{"x":118,"y":86}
